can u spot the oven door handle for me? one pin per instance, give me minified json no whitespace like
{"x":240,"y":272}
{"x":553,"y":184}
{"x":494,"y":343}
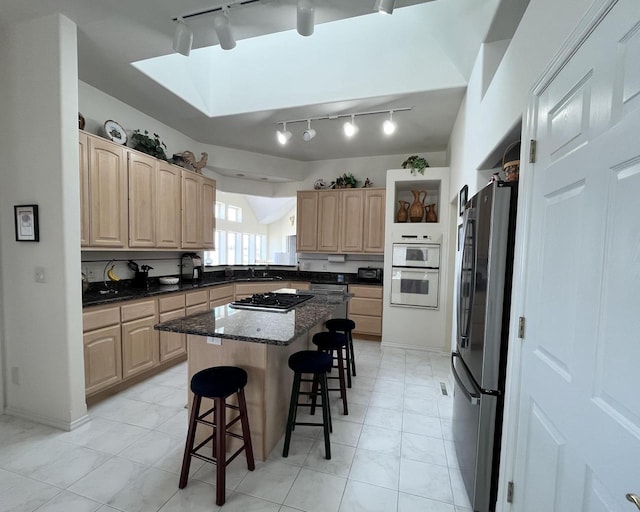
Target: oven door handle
{"x":473,"y":397}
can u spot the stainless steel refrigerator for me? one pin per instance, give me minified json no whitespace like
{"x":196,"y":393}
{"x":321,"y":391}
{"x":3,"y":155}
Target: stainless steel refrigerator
{"x":479,"y":360}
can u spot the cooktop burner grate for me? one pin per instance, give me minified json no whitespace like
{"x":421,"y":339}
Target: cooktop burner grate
{"x":279,"y":302}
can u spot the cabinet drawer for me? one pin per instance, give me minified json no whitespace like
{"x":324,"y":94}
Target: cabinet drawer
{"x":300,"y":285}
{"x":100,"y":317}
{"x":372,"y":292}
{"x":369,"y":307}
{"x":138,"y":310}
{"x":171,"y":302}
{"x":198,"y":308}
{"x":258,"y":287}
{"x":367,"y":324}
{"x":221,"y":292}
{"x":199,"y":297}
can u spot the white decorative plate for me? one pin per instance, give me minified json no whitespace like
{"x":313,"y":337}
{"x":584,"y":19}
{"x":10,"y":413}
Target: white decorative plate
{"x":115,"y":132}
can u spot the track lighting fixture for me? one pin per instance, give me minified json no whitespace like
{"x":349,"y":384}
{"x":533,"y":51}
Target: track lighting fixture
{"x":384,"y":6}
{"x":182,"y":39}
{"x":309,"y":133}
{"x":284,"y":135}
{"x":306,"y":12}
{"x":350,"y":127}
{"x":389,"y":126}
{"x":223,"y":30}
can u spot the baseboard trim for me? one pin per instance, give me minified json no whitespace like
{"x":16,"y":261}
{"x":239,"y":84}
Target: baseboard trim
{"x":46,"y":420}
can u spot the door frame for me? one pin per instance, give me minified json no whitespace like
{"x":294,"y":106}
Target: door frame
{"x":592,"y":18}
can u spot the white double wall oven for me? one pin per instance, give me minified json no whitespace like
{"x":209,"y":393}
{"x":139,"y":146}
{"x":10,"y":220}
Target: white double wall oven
{"x":415,"y":279}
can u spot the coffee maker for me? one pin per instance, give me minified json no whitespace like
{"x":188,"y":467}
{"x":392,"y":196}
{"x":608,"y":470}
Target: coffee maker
{"x":192,"y":268}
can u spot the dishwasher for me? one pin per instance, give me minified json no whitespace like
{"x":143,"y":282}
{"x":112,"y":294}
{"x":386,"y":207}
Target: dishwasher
{"x":327,"y":288}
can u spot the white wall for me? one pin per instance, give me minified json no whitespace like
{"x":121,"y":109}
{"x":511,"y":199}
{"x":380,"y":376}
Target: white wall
{"x":39,"y":165}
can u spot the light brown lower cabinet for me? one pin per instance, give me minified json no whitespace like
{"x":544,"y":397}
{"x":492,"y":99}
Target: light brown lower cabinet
{"x":365,"y":309}
{"x":102,"y":358}
{"x":172,"y":344}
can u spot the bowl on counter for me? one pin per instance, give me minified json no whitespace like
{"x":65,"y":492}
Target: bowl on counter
{"x":169,"y":280}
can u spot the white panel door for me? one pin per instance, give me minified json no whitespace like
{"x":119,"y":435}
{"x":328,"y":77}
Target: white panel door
{"x":578,"y":443}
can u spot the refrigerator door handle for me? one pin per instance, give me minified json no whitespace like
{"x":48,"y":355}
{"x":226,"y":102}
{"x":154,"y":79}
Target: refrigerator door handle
{"x":473,"y":397}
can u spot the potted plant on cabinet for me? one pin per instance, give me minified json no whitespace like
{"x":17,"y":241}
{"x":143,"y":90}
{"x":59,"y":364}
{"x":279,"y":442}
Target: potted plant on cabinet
{"x":347,"y":180}
{"x":415,"y":163}
{"x":153,"y":147}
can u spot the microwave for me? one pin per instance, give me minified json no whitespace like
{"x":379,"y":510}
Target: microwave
{"x":417,"y":255}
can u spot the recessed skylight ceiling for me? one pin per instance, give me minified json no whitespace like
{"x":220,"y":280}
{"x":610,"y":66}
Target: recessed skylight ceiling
{"x":361,"y":57}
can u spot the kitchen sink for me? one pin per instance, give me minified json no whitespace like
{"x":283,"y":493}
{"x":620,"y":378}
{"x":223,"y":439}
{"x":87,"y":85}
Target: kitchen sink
{"x":277,"y":278}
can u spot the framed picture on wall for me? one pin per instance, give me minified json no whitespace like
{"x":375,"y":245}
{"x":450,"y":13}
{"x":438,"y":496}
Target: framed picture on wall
{"x":464,"y":197}
{"x":26,"y":218}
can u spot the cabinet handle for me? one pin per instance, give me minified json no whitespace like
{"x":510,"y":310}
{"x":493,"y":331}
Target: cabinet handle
{"x":634,"y":499}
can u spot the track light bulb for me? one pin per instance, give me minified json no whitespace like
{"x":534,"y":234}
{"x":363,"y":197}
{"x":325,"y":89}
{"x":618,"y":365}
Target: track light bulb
{"x":284,"y":135}
{"x":309,"y":133}
{"x":384,"y":6}
{"x":389,"y":126}
{"x":223,"y":30}
{"x":182,"y":39}
{"x":305,"y":22}
{"x":350,"y":127}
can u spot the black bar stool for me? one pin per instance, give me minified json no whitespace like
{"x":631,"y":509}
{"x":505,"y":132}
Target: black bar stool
{"x":345,"y":325}
{"x":318,"y":364}
{"x":333,"y":342}
{"x":217,"y":383}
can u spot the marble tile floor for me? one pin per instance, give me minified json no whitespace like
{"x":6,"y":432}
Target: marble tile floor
{"x":392,"y":453}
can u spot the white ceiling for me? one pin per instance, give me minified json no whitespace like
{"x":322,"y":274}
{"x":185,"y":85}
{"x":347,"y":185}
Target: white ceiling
{"x":356,"y":61}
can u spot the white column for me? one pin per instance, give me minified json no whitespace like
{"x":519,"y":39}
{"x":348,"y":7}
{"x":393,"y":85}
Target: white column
{"x":42,"y":322}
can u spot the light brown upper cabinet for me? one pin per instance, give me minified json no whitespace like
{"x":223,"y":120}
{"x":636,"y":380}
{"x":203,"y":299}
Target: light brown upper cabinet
{"x":198,"y":211}
{"x":168,"y":214}
{"x":307,"y":221}
{"x":142,"y":174}
{"x":374,"y":200}
{"x":349,"y":221}
{"x":83,"y":151}
{"x":328,"y":221}
{"x":107,"y":182}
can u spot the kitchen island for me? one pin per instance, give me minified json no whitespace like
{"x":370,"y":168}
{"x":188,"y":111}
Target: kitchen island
{"x":261,"y":343}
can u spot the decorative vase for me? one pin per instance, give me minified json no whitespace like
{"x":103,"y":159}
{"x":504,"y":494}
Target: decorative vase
{"x":403,"y":212}
{"x":431,"y":215}
{"x":416,"y":212}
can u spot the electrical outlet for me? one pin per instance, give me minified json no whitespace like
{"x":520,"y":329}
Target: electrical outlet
{"x":324,"y":265}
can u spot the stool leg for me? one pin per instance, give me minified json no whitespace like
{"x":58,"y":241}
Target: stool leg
{"x":246,"y":435}
{"x":221,"y":450}
{"x":343,"y":389}
{"x":353,"y":356}
{"x":326,"y":415}
{"x":191,"y":436}
{"x":347,"y":351}
{"x":295,"y":389}
{"x":314,"y":394}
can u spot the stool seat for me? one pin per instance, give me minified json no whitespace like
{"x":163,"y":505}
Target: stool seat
{"x":328,"y":340}
{"x":219,"y":381}
{"x":310,"y":361}
{"x":340,"y":324}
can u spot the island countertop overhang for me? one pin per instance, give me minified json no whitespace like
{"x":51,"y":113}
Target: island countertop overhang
{"x":267,"y":327}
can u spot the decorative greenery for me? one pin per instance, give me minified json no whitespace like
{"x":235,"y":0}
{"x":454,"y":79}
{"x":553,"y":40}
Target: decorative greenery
{"x":142,"y":142}
{"x":347,"y":180}
{"x":415,"y":163}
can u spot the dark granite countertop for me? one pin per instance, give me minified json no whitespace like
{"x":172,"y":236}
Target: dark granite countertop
{"x":268,"y":327}
{"x":124,"y":291}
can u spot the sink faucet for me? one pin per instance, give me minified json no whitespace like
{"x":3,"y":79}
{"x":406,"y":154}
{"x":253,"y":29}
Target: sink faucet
{"x":253,"y":271}
{"x":265,"y":271}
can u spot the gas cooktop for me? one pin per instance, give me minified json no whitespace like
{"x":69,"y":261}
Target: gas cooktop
{"x":278,"y":302}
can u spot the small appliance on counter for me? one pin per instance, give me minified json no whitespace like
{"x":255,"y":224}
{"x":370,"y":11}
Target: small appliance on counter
{"x":370,"y":275}
{"x":192,"y":268}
